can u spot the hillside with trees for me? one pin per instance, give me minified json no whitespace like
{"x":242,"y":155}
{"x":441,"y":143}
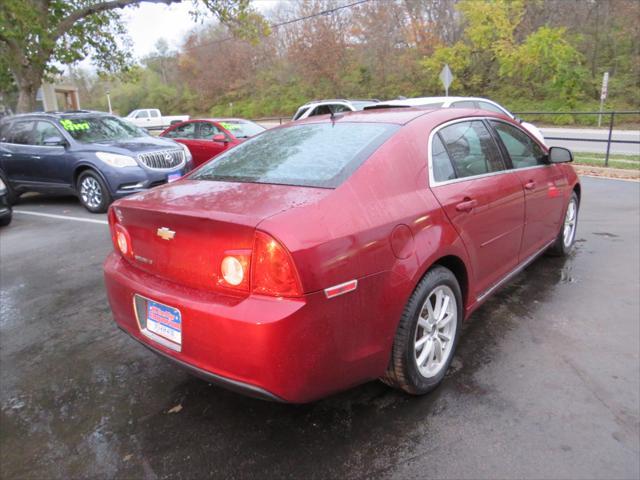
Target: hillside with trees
{"x":538,"y":54}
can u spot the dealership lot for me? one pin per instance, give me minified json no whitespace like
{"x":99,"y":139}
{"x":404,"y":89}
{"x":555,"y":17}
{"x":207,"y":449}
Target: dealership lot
{"x":545,"y":383}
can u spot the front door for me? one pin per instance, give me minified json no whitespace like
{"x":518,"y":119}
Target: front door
{"x":544,"y":184}
{"x":483,"y":201}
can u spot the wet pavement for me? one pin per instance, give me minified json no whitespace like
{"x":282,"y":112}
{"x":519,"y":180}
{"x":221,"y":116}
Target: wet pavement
{"x":545,"y":383}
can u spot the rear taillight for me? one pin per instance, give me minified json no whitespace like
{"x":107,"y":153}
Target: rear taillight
{"x":268,"y":269}
{"x":272,"y":269}
{"x":119,"y":235}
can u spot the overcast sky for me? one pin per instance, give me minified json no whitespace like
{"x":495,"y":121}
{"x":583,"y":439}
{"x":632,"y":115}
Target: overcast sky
{"x":150,"y":22}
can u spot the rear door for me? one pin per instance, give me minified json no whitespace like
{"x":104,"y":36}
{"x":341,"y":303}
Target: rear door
{"x":16,"y":152}
{"x":544,"y":184}
{"x":483,"y":200}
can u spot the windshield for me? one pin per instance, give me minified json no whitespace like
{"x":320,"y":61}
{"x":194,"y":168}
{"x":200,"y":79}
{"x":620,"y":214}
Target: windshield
{"x":242,"y":129}
{"x":100,"y":129}
{"x":313,"y":155}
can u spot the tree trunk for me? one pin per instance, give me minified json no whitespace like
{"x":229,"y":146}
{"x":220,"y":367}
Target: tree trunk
{"x":28,"y":82}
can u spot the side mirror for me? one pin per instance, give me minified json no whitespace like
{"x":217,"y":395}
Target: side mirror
{"x":560,"y":155}
{"x":220,"y":138}
{"x":54,"y":142}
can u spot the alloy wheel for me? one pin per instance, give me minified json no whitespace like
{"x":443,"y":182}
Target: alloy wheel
{"x":570,"y":223}
{"x":91,"y":192}
{"x":436,"y":330}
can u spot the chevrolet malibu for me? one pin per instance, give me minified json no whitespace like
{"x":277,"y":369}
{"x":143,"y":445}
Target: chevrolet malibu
{"x":333,"y":251}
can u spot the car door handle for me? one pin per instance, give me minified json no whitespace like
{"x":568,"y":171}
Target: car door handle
{"x":37,"y":157}
{"x":6,"y":155}
{"x":467,"y":205}
{"x":530,"y":185}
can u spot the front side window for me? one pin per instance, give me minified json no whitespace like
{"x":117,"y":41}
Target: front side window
{"x":314,"y":155}
{"x":21,"y":133}
{"x":523,"y":150}
{"x":321,"y":110}
{"x":206,"y":131}
{"x":44,"y":131}
{"x":155,"y":114}
{"x":142,"y":114}
{"x":471,"y":149}
{"x":186,"y":130}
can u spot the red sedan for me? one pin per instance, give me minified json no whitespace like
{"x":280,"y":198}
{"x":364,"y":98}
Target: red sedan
{"x":209,"y":137}
{"x":333,"y":251}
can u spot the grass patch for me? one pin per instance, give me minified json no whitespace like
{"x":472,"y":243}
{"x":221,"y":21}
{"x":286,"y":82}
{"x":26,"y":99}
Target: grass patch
{"x":626,"y":162}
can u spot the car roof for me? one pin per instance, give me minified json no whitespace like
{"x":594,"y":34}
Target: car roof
{"x":401,"y":116}
{"x":226,"y":119}
{"x":344,"y":100}
{"x":57,"y":115}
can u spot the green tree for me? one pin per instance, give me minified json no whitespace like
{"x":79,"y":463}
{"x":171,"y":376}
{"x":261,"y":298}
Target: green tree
{"x":37,"y":35}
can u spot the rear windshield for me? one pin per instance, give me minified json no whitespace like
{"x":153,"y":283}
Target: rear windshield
{"x":242,"y":129}
{"x":313,"y":155}
{"x":100,"y":129}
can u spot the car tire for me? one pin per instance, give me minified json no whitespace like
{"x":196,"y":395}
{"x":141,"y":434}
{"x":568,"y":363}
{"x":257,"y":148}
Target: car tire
{"x":93,"y":192}
{"x":566,"y":239}
{"x":415,"y":368}
{"x":6,"y":220}
{"x":12,"y":196}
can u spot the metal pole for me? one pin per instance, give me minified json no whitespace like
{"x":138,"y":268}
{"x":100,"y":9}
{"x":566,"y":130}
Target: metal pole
{"x":606,"y":157}
{"x":600,"y":114}
{"x":109,"y":102}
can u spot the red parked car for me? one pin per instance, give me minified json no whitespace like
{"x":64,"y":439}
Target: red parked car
{"x":329,"y":252}
{"x":209,"y":137}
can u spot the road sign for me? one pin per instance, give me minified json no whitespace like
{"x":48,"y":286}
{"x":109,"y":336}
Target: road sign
{"x":446,"y":77}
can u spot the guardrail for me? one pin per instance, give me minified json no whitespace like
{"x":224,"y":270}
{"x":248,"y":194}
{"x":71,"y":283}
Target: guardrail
{"x":609,"y":139}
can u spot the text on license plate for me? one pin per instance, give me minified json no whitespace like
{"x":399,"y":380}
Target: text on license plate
{"x":164,"y":321}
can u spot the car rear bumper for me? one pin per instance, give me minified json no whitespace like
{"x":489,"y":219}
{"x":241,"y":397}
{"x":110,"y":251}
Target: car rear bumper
{"x":292,"y":350}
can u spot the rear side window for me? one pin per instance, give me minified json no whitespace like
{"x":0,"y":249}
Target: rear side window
{"x":301,"y":111}
{"x":522,"y":149}
{"x":314,"y":155}
{"x":464,"y":104}
{"x":188,"y":130}
{"x":490,"y":107}
{"x":21,"y":133}
{"x":442,"y":168}
{"x":471,"y":149}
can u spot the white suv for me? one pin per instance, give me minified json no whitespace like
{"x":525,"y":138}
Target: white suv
{"x":459,"y":102}
{"x":327,"y":107}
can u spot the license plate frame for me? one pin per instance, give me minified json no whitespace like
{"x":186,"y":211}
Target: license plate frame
{"x":159,"y":322}
{"x":172,"y":177}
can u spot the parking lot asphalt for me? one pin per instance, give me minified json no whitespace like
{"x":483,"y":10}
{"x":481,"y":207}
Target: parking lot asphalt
{"x":545,"y":383}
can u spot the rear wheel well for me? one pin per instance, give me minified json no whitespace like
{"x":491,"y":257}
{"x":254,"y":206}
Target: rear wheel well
{"x":457,"y":267}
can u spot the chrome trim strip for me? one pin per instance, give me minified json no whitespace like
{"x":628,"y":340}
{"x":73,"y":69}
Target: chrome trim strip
{"x":432,"y":181}
{"x":514,"y":272}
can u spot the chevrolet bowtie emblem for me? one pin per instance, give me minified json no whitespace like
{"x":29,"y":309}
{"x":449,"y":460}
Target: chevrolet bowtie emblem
{"x":165,"y":234}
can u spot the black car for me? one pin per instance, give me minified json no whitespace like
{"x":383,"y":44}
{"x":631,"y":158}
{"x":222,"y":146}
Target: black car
{"x":5,"y":207}
{"x":93,"y":155}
